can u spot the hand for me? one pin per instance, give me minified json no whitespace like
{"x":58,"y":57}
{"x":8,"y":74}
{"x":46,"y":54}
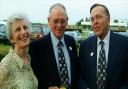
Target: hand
{"x":53,"y":87}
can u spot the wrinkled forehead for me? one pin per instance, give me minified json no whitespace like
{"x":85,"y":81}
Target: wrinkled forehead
{"x":58,"y":9}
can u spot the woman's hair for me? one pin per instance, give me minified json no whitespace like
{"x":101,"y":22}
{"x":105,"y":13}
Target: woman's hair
{"x":12,"y":19}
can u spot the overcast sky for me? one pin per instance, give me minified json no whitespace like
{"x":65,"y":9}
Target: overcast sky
{"x":37,"y":10}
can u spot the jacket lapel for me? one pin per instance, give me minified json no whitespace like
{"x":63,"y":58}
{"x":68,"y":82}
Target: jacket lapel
{"x":52,"y":62}
{"x":111,"y":59}
{"x":93,"y":61}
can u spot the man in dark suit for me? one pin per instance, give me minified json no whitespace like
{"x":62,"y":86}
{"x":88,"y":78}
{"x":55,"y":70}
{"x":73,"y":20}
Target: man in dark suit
{"x":44,"y":52}
{"x":109,"y":70}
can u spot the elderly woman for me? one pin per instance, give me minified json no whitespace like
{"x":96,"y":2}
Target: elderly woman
{"x":15,"y":69}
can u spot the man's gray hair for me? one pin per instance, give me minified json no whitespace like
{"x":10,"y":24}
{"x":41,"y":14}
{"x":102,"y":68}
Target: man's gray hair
{"x":12,"y":19}
{"x":56,"y":6}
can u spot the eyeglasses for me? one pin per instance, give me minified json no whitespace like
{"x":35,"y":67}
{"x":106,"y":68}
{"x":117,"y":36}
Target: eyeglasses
{"x":97,"y":18}
{"x":62,"y":21}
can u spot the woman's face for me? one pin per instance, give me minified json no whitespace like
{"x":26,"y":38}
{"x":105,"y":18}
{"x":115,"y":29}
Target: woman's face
{"x":20,"y":34}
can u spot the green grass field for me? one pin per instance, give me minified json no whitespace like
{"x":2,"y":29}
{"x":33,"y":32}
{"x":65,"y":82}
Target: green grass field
{"x":4,"y":49}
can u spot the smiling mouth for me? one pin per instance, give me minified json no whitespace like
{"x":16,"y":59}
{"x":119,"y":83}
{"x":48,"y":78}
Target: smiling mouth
{"x":96,"y":27}
{"x":24,"y":38}
{"x":60,"y":30}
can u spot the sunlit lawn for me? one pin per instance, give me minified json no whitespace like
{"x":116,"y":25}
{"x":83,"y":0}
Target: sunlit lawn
{"x":3,"y":50}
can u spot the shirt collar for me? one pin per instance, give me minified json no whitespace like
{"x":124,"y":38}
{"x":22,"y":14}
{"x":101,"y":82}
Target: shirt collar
{"x":18,"y":60}
{"x":106,"y":39}
{"x":55,"y":40}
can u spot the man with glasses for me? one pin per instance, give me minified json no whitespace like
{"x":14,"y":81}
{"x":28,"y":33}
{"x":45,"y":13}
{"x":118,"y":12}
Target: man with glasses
{"x":103,"y":58}
{"x":54,"y":57}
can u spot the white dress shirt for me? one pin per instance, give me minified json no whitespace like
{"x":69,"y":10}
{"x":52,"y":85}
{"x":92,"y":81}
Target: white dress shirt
{"x":106,"y":46}
{"x":65,"y":50}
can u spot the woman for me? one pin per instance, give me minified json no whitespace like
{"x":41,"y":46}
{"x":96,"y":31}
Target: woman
{"x":15,"y":69}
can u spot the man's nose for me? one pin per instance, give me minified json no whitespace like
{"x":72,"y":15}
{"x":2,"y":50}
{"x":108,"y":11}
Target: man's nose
{"x":59,"y":24}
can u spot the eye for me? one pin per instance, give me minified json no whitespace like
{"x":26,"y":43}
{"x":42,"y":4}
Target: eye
{"x":25,"y":27}
{"x":18,"y":29}
{"x":62,"y":21}
{"x":99,"y":17}
{"x":55,"y":21}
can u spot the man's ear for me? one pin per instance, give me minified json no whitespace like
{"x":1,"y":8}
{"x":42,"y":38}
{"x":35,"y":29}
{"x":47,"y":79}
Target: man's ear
{"x":67,"y":18}
{"x":108,"y":18}
{"x":67,"y":21}
{"x":48,"y":19}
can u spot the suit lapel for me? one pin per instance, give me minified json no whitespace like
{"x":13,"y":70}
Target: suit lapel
{"x":52,"y":62}
{"x":70,"y":49}
{"x":111,"y":59}
{"x":51,"y":50}
{"x":93,"y":61}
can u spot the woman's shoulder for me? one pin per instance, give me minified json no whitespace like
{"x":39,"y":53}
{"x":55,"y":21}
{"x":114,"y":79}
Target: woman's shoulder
{"x":4,"y":68}
{"x":7,"y":62}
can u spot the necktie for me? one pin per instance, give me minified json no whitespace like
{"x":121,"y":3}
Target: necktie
{"x":101,"y":72}
{"x":63,"y":67}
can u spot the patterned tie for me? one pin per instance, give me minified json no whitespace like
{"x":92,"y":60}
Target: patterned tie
{"x":101,"y":73}
{"x":63,"y":67}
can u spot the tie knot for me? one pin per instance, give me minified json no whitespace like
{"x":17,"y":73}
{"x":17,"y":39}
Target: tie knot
{"x":60,"y":43}
{"x":101,"y":42}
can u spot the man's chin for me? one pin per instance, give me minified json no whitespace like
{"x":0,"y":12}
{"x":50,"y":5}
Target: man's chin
{"x":59,"y":36}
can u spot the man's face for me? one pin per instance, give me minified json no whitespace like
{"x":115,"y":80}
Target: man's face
{"x":57,"y":22}
{"x":99,"y":21}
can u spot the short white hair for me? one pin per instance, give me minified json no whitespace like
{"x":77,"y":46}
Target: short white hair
{"x":58,"y":5}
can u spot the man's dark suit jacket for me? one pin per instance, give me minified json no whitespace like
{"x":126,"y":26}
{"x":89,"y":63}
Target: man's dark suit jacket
{"x":44,"y":65}
{"x":117,"y":63}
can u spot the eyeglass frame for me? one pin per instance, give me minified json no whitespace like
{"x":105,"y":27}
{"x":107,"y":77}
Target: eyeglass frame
{"x":98,"y":18}
{"x":61,"y":21}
